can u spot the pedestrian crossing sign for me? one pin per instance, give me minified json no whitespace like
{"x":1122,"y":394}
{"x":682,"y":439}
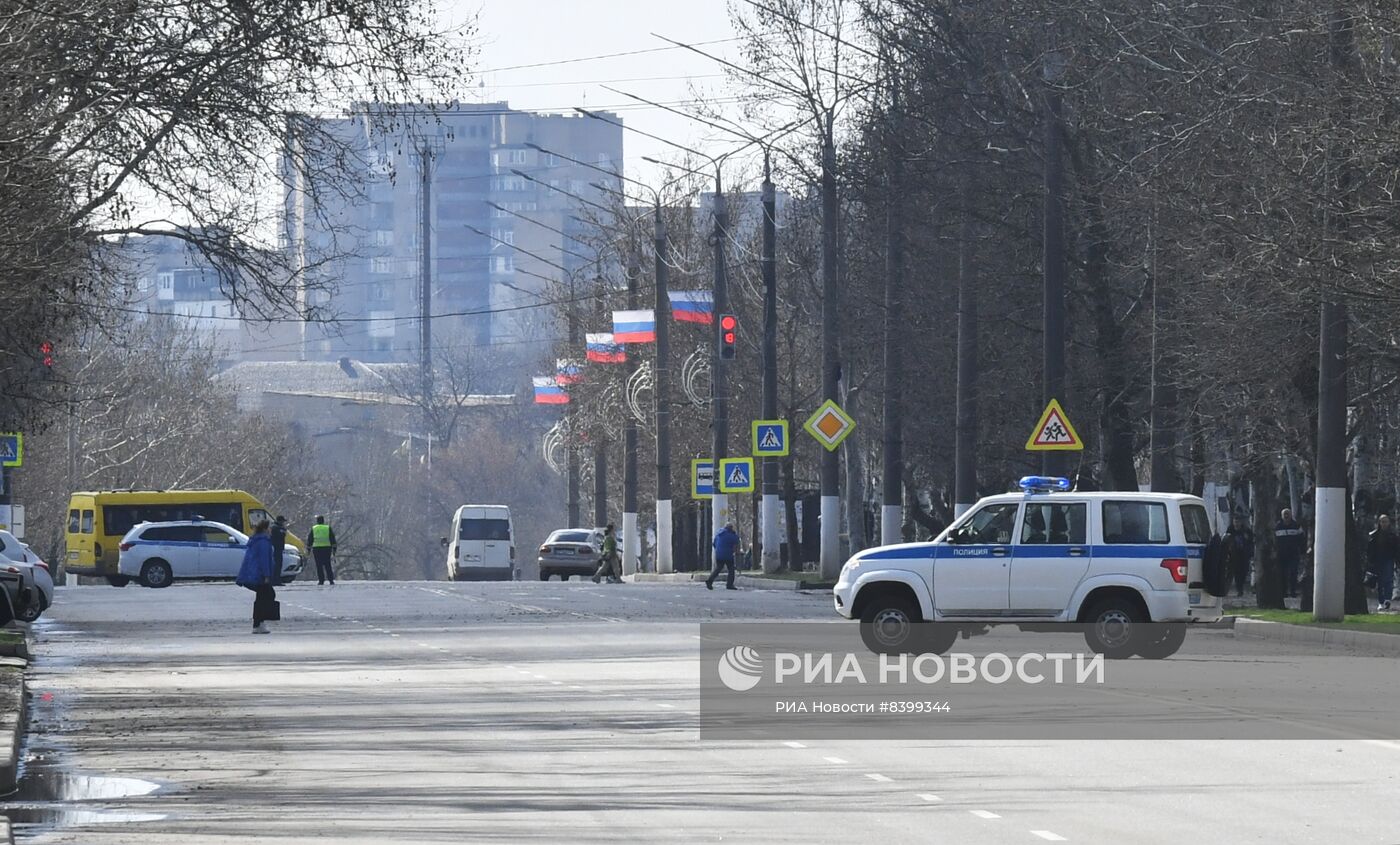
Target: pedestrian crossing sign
{"x":12,"y":449}
{"x":770,"y":438}
{"x":1054,"y":433}
{"x":736,"y":475}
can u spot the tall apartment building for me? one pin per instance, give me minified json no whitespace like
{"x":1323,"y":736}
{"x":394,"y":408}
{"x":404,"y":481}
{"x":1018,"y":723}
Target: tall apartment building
{"x":505,"y":207}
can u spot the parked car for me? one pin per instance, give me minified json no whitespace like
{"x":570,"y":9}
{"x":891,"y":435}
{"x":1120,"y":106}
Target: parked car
{"x":156,"y":554}
{"x":40,"y":596}
{"x":570,"y":551}
{"x":1109,"y":562}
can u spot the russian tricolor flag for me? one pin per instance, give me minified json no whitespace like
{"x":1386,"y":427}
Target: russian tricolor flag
{"x":569,"y":372}
{"x":692,"y":306}
{"x":548,"y":392}
{"x":634,"y":326}
{"x":602,"y":349}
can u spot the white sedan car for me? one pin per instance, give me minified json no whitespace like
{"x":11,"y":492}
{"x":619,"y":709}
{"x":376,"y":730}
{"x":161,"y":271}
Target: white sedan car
{"x":31,"y":585}
{"x":156,"y":554}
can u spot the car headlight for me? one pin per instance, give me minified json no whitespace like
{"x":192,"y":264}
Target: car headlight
{"x":851,"y":566}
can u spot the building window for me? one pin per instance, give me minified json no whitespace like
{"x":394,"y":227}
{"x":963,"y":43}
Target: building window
{"x":383,"y":237}
{"x":503,"y":264}
{"x":381,"y":264}
{"x":166,"y":281}
{"x":381,"y":292}
{"x":503,"y":236}
{"x":605,"y":161}
{"x":519,"y":156}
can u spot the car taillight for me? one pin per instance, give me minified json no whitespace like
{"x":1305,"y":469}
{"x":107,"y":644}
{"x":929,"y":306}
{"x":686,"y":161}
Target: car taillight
{"x":544,"y":550}
{"x":42,"y":565}
{"x":13,"y":570}
{"x":126,"y":547}
{"x":1177,"y":567}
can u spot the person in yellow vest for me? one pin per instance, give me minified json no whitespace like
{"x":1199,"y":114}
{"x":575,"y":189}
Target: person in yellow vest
{"x":323,"y":548}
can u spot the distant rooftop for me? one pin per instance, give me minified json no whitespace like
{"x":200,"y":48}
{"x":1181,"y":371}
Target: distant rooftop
{"x":346,"y":379}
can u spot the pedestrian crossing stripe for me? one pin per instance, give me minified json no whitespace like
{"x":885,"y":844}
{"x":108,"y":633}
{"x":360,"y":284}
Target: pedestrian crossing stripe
{"x":736,"y":475}
{"x":770,"y":438}
{"x":1054,"y":433}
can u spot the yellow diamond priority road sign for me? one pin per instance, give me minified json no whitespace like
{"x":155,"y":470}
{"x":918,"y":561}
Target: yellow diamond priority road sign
{"x":830,"y":425}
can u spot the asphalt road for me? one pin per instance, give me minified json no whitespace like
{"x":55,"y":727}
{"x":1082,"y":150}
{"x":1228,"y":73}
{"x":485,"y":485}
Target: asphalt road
{"x":549,"y":712}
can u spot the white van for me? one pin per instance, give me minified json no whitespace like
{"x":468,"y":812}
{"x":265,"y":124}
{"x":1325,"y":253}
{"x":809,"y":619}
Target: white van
{"x":1108,"y":561}
{"x":482,"y":544}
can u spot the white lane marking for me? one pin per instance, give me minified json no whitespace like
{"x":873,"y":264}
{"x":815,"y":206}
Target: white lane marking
{"x":1383,"y":743}
{"x":929,"y":797}
{"x":837,"y":760}
{"x":557,"y":683}
{"x":575,"y":686}
{"x":794,"y":745}
{"x":877,"y":777}
{"x":666,"y":706}
{"x":1049,"y":836}
{"x":983,"y":814}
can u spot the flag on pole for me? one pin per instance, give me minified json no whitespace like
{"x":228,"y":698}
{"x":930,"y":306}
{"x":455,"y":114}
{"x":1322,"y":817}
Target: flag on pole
{"x":692,"y":306}
{"x":569,"y":371}
{"x":634,"y":326}
{"x":603,"y":350}
{"x":548,"y":392}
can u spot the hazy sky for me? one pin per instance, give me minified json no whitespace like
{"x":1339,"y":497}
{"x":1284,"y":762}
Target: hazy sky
{"x":512,"y":33}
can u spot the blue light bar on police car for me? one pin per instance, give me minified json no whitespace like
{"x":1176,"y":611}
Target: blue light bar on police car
{"x":1042,"y":482}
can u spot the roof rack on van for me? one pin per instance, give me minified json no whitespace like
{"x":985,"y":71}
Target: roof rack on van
{"x":1043,"y":484}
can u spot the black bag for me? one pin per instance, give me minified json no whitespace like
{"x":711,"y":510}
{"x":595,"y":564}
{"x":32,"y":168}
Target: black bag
{"x":1215,"y":571}
{"x":274,"y":611}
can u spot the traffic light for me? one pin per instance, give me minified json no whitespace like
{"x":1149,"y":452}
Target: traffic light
{"x":728,"y":334}
{"x":46,"y":353}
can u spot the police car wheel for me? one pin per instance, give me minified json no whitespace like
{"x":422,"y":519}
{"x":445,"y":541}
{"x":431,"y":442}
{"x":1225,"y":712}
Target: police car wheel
{"x":156,"y":573}
{"x":888,"y":625}
{"x":1166,"y":641}
{"x":1113,"y":629}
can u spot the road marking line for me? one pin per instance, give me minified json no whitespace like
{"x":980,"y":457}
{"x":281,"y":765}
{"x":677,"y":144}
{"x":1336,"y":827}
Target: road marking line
{"x":837,"y":760}
{"x":557,"y":683}
{"x":575,"y":686}
{"x":794,"y":745}
{"x":1052,"y":837}
{"x":508,"y":666}
{"x":877,"y":777}
{"x":983,"y":814}
{"x":666,"y":706}
{"x":1393,"y":746}
{"x":929,"y":797}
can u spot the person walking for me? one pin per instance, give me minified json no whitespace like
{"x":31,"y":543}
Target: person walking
{"x":1381,"y":551}
{"x":1239,"y":551}
{"x":258,"y":574}
{"x":1290,"y":539}
{"x":278,"y":533}
{"x":726,"y":547}
{"x":607,"y":559}
{"x":323,"y":549}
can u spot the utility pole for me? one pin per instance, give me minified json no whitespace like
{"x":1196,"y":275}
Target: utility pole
{"x":661,"y":392}
{"x":830,"y":557}
{"x":719,"y":503}
{"x":892,"y":509}
{"x":630,"y":540}
{"x":1054,"y":255}
{"x":965,"y":436}
{"x":1162,"y":423}
{"x":772,"y":542}
{"x":1330,"y":511}
{"x":425,"y":293}
{"x":571,"y":417}
{"x":600,"y":461}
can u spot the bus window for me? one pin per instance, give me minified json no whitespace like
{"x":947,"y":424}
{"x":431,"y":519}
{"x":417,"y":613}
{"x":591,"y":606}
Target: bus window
{"x":73,"y":522}
{"x":87,"y":522}
{"x":119,"y":519}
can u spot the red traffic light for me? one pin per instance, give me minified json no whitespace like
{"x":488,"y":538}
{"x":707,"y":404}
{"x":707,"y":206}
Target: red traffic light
{"x":729,"y":323}
{"x":729,"y":337}
{"x":46,"y":349}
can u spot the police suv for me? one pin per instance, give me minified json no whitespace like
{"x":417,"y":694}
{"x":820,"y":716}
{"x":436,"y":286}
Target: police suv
{"x":1048,"y":556}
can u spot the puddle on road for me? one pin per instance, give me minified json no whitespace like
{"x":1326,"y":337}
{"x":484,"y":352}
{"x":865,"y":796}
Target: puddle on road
{"x":48,"y":799}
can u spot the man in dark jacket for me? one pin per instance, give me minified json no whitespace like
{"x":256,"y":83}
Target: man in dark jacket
{"x":1381,"y":551}
{"x":257,"y":574}
{"x":726,"y":547}
{"x":279,"y":542}
{"x":1239,"y":551}
{"x":1290,"y":539}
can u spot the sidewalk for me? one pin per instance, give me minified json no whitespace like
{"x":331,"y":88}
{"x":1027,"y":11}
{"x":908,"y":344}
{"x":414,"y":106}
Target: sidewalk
{"x":751,"y":580}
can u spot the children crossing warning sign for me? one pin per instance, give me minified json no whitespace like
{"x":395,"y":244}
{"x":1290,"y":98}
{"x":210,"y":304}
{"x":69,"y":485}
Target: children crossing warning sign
{"x":770,"y":438}
{"x":1054,"y":433}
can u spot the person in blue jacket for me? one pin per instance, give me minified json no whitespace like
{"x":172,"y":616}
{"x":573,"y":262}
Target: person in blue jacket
{"x":726,"y":547}
{"x":259,"y":574}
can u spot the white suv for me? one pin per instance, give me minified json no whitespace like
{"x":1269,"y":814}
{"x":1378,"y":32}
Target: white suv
{"x":156,"y":554}
{"x":1039,"y":559}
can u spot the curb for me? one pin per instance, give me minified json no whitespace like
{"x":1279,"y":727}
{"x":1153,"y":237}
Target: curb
{"x":752,"y":582}
{"x":665,"y":577}
{"x":12,"y":718}
{"x":1367,"y":641}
